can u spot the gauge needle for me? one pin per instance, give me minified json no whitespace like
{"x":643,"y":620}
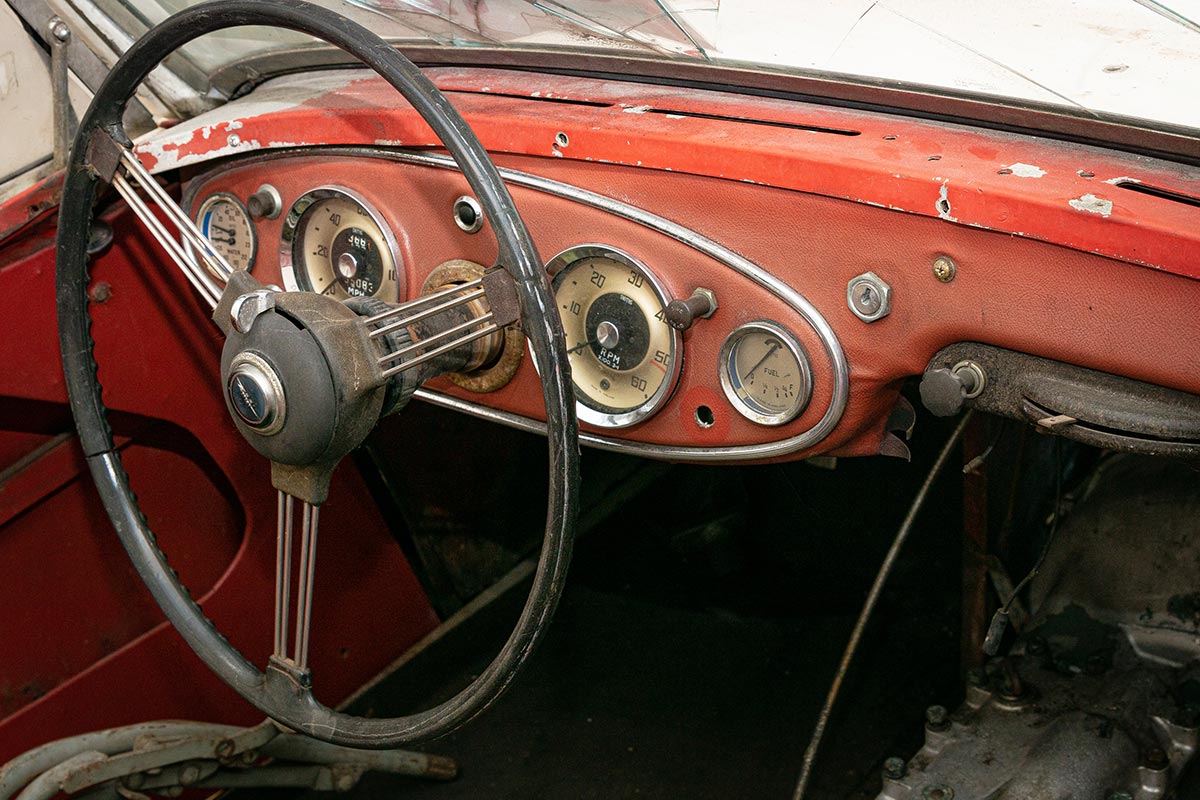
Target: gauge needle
{"x":579,"y":347}
{"x":775,"y":346}
{"x":226,"y":231}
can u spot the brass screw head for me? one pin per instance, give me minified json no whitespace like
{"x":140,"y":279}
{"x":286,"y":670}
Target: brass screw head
{"x":944,"y":269}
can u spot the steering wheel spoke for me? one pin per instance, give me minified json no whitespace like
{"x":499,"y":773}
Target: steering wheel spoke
{"x":457,"y":325}
{"x":309,"y":520}
{"x":191,"y":250}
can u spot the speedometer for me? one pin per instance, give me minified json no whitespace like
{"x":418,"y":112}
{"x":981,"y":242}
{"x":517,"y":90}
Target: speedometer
{"x":335,"y":243}
{"x":625,"y":358}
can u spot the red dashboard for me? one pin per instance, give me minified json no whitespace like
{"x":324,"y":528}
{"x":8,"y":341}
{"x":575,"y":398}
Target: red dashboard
{"x":776,"y":207}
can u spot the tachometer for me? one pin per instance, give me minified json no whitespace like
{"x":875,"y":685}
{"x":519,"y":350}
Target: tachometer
{"x":224,"y":221}
{"x":335,"y":242}
{"x":625,"y":358}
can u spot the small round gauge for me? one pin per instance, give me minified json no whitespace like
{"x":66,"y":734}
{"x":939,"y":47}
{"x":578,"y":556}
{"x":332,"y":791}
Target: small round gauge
{"x":335,"y":243}
{"x":625,"y":358}
{"x":765,"y":373}
{"x":224,"y":221}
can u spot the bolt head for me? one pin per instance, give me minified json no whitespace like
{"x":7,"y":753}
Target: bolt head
{"x":894,"y":768}
{"x":60,"y":30}
{"x":944,"y":269}
{"x":869,"y":297}
{"x":937,"y":791}
{"x":937,"y":717}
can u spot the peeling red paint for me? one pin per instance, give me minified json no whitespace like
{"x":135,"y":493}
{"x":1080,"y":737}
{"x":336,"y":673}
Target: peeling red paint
{"x":859,"y":156}
{"x":36,"y":201}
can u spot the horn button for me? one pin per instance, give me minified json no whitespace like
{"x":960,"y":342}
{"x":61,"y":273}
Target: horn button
{"x":280,"y":391}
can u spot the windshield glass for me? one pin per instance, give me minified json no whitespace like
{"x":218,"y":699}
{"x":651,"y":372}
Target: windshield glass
{"x":1137,"y":58}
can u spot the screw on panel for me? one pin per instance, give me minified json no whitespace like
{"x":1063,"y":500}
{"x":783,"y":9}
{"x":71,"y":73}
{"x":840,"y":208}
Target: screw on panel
{"x":944,"y":269}
{"x":937,"y":791}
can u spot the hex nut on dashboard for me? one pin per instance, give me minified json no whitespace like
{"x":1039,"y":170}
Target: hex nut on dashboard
{"x":869,"y":297}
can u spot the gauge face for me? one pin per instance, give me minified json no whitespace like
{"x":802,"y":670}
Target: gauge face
{"x":224,"y":221}
{"x":335,"y":243}
{"x":765,"y":373}
{"x":625,"y":358}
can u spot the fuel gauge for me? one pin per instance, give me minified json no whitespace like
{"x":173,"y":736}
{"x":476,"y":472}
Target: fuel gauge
{"x":765,"y":373}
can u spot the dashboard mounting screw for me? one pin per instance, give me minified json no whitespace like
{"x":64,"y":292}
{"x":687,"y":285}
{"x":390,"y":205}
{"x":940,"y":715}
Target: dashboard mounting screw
{"x":944,"y":269}
{"x":869,"y":297}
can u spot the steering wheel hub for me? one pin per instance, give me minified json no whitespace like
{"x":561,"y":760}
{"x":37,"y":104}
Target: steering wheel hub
{"x":255,"y":393}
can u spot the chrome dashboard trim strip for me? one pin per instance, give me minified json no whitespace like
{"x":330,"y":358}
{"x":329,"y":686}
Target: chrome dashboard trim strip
{"x":747,"y":268}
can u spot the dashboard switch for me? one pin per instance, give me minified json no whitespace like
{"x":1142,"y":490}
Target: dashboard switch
{"x":682,"y":314}
{"x":943,"y":391}
{"x":265,"y":203}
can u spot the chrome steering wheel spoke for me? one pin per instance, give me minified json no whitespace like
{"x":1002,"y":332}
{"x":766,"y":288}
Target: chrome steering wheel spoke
{"x":494,"y":290}
{"x":309,"y":519}
{"x":191,"y":251}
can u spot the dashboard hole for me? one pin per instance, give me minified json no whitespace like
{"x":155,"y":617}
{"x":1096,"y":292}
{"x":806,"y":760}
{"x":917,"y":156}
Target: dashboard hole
{"x":704,"y":417}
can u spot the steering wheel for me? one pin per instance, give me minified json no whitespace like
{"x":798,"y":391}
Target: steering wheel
{"x":306,"y":377}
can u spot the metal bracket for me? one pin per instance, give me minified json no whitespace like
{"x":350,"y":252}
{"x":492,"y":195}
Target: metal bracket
{"x":501,"y":297}
{"x":64,"y":122}
{"x":104,"y":155}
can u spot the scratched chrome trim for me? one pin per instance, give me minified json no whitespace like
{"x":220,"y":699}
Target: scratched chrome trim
{"x":747,"y":268}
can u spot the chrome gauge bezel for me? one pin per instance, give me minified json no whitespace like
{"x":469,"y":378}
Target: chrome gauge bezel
{"x":291,"y":226}
{"x":600,"y":417}
{"x":210,"y":201}
{"x":742,"y":404}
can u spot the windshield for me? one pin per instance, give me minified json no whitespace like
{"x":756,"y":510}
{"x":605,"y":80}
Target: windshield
{"x":1136,"y":58}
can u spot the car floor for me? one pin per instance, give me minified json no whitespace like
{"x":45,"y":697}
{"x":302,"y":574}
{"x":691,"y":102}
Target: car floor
{"x":685,"y":661}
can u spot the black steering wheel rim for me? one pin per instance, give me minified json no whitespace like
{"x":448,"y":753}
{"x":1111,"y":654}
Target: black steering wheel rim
{"x":276,"y":692}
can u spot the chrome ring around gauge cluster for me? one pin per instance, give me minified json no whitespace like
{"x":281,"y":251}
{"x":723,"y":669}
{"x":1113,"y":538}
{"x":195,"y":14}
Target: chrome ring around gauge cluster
{"x":641,"y":292}
{"x":295,"y":273}
{"x":795,"y":395}
{"x":830,"y":344}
